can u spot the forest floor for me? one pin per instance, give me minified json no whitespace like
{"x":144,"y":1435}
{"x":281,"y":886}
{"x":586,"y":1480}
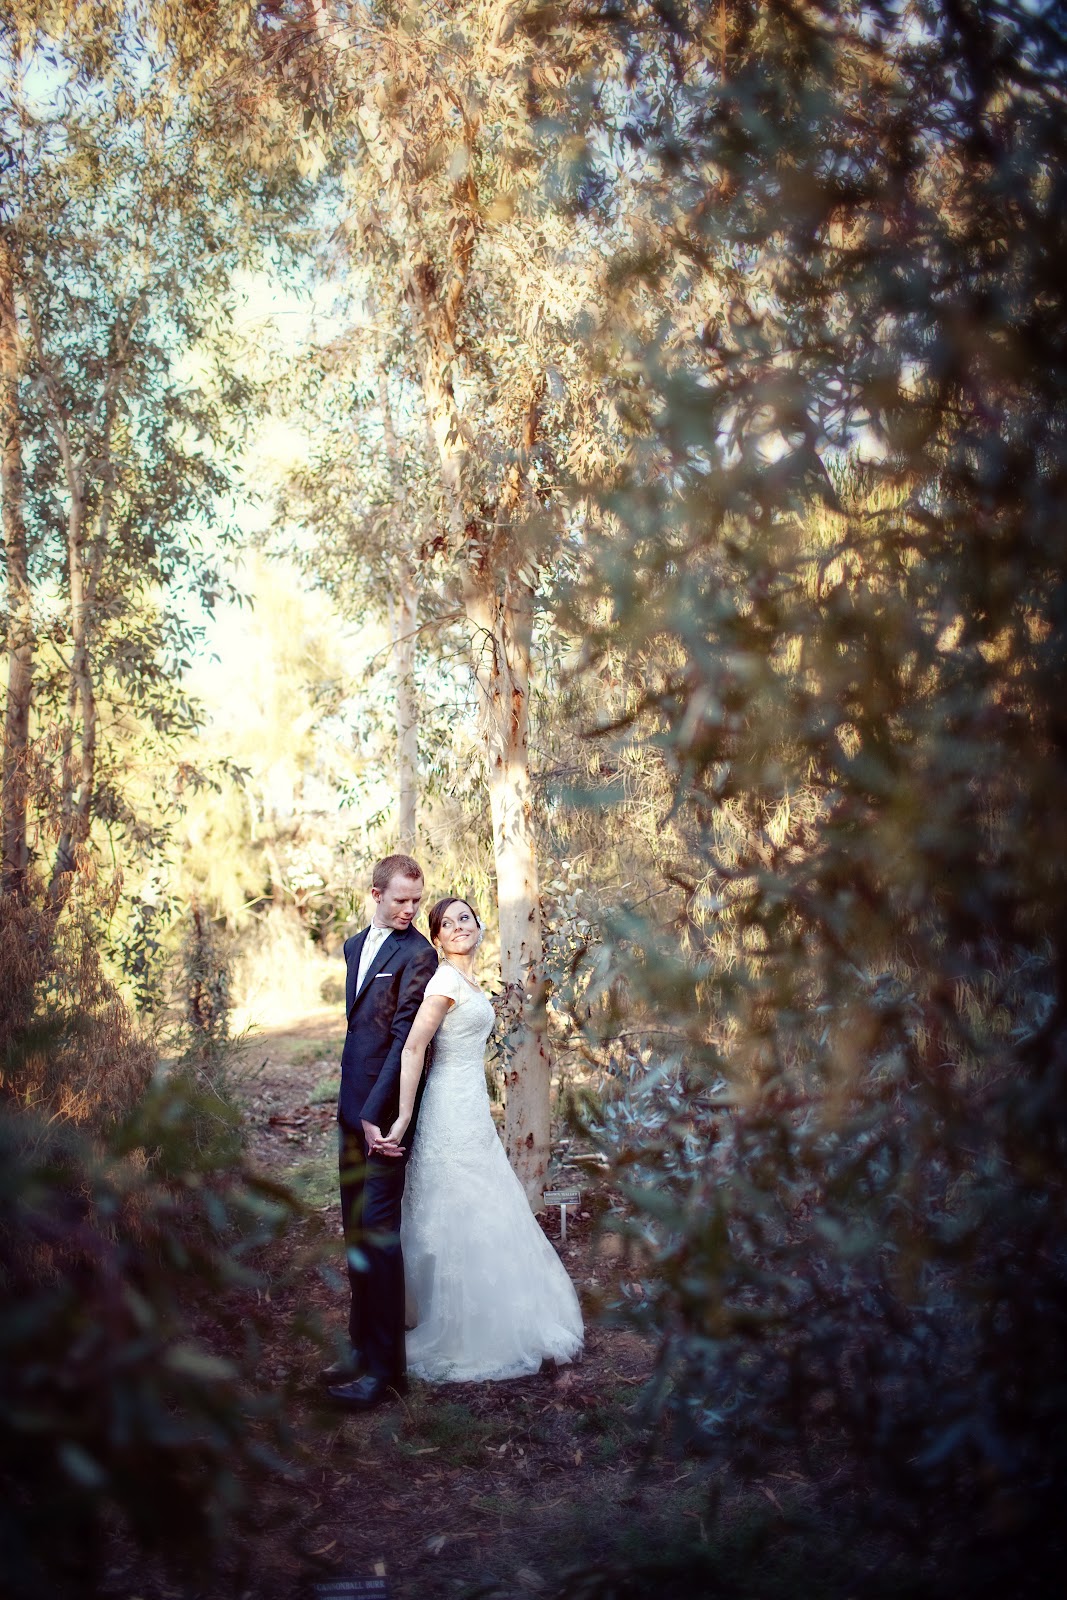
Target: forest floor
{"x":492,"y":1488}
{"x":496,"y":1490}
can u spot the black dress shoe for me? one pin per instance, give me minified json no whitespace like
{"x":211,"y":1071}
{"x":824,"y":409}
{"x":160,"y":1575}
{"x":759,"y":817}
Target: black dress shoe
{"x":344,"y":1370}
{"x":367,"y":1392}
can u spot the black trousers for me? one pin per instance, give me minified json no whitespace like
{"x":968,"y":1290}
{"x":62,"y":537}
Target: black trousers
{"x":372,"y":1189}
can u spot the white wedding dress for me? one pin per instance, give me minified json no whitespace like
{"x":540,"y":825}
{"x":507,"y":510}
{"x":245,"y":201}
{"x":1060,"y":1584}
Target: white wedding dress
{"x":492,"y":1297}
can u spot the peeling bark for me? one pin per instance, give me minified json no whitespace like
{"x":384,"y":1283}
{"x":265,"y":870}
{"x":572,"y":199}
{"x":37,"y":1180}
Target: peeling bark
{"x":437,"y":315}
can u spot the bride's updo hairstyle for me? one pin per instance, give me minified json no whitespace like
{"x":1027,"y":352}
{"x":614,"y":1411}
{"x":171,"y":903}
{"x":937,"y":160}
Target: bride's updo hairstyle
{"x":437,"y":913}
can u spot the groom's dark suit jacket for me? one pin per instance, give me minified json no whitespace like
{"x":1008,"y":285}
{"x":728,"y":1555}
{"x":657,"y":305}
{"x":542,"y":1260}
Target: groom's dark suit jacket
{"x":379,"y":1021}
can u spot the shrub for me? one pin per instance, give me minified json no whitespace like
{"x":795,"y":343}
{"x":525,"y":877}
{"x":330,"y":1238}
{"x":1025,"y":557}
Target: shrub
{"x":110,"y":1405}
{"x":128,"y":1233}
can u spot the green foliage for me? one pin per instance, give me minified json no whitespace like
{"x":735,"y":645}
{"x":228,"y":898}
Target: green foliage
{"x":126,"y":208}
{"x":361,"y":519}
{"x":760,"y":1555}
{"x":832,"y":565}
{"x":121,"y":266}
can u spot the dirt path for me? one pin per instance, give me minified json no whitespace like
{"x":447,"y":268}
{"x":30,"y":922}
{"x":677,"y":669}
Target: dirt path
{"x":491,"y":1488}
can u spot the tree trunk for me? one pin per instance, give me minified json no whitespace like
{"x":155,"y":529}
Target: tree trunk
{"x":403,"y":608}
{"x":499,"y":606}
{"x":84,"y":568}
{"x":504,"y":628}
{"x":87,"y":710}
{"x":437,"y":319}
{"x":20,"y":633}
{"x":79,"y":756}
{"x":403,"y":605}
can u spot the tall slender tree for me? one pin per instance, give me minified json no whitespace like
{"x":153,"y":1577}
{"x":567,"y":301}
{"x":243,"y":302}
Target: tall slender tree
{"x":402,"y":607}
{"x":359,"y":513}
{"x":433,"y":131}
{"x":18,"y":600}
{"x":119,"y":238}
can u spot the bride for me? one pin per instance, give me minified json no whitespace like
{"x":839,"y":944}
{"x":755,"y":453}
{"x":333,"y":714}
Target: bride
{"x":492,"y":1297}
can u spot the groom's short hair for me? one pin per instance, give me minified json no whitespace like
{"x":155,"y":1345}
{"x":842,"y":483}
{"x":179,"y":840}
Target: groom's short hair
{"x":395,"y":867}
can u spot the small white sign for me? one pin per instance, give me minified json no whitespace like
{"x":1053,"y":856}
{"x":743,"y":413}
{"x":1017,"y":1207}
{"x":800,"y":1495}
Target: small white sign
{"x":562,"y":1198}
{"x":372,"y":1588}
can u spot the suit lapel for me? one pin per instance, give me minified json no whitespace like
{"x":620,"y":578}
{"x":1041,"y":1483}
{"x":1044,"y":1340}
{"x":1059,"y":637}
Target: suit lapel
{"x":352,"y":969}
{"x":385,"y":950}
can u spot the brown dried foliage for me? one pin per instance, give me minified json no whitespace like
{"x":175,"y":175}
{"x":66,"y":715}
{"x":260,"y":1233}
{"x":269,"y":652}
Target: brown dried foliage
{"x":69,"y":1047}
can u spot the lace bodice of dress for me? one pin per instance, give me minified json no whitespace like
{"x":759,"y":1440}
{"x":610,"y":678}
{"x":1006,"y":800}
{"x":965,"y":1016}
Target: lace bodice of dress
{"x":454,"y":1107}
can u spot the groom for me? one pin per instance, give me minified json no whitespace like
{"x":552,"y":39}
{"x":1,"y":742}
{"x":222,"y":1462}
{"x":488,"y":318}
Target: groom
{"x":389,"y":966}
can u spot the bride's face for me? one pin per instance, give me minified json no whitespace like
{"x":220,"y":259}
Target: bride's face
{"x":459,"y":933}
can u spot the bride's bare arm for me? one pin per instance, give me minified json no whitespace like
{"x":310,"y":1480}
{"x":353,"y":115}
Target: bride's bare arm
{"x":428,"y":1019}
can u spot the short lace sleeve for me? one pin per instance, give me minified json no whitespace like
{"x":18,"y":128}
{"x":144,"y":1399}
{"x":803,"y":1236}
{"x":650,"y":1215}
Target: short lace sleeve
{"x":447,"y":982}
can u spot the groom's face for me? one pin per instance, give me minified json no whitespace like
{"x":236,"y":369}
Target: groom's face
{"x":398,"y":902}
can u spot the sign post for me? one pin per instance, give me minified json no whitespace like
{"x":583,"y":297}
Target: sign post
{"x":562,"y":1198}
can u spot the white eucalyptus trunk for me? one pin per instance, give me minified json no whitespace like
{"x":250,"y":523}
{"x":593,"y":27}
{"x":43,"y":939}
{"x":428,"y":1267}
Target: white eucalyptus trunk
{"x":402,"y":604}
{"x":78,"y":760}
{"x":403,"y":608}
{"x":499,"y":606}
{"x":86,"y":552}
{"x":503,"y":672}
{"x":85,"y":561}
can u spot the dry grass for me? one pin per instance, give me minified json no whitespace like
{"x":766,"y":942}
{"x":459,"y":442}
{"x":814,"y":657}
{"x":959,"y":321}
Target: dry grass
{"x":69,"y":1048}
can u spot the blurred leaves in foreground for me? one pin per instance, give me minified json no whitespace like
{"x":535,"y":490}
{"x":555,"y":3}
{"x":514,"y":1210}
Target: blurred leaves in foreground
{"x":129,"y":1241}
{"x":829,"y":578}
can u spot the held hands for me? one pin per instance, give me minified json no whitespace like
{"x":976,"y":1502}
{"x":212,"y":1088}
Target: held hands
{"x":386,"y":1144}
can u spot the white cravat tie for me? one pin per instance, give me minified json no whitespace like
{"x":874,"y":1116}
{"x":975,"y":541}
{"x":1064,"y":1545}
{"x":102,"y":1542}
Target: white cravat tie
{"x":371,"y":945}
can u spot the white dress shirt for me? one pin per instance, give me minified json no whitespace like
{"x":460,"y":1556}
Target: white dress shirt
{"x":371,"y":945}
